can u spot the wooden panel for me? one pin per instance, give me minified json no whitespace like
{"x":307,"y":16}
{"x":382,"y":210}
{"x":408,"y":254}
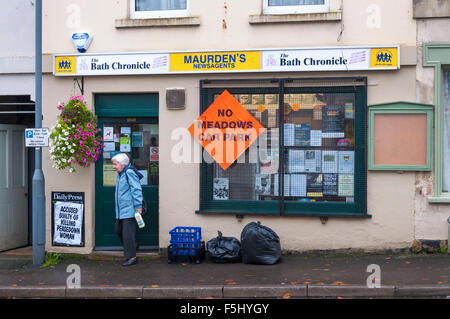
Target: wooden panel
{"x":400,"y":139}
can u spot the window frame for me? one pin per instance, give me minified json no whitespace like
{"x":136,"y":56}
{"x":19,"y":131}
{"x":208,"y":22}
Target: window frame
{"x":437,"y":55}
{"x":157,"y":14}
{"x":401,"y":108}
{"x":280,"y":207}
{"x":299,"y":9}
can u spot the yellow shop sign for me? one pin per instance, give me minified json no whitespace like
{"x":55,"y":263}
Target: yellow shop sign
{"x":215,"y":61}
{"x":65,"y":64}
{"x":384,"y":58}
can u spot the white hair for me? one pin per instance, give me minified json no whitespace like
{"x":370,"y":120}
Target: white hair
{"x":121,"y":158}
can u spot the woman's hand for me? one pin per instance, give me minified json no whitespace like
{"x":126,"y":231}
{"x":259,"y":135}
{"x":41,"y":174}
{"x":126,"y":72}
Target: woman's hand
{"x":139,"y":210}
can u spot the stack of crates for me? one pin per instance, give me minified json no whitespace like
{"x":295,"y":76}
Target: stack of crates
{"x":186,"y":245}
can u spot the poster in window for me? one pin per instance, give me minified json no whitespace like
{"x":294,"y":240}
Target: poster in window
{"x":137,"y":139}
{"x":257,"y":99}
{"x":316,"y":138}
{"x":329,"y":161}
{"x":245,"y":98}
{"x":108,"y":133}
{"x":345,"y":185}
{"x":262,"y":184}
{"x":298,"y":185}
{"x":313,"y":161}
{"x":109,"y":175}
{"x":302,"y":135}
{"x":346,"y":162}
{"x":109,"y":146}
{"x":289,"y":134}
{"x":221,"y":189}
{"x":349,"y":112}
{"x":287,"y":184}
{"x":296,"y":161}
{"x":125,"y":130}
{"x":330,"y":184}
{"x":314,"y":185}
{"x":333,"y":121}
{"x":271,"y":99}
{"x":125,"y":144}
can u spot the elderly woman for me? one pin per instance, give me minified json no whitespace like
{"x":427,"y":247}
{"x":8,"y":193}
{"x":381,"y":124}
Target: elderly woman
{"x":128,"y":199}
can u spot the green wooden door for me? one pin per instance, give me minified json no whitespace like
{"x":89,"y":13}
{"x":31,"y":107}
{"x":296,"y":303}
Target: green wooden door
{"x":135,"y":132}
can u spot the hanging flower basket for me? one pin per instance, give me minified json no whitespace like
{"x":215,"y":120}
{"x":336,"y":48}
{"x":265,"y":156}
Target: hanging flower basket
{"x":74,"y":139}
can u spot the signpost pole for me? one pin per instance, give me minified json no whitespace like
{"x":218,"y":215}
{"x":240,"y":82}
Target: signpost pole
{"x":38,"y":176}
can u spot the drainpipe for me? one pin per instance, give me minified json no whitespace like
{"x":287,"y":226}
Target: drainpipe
{"x":38,"y":176}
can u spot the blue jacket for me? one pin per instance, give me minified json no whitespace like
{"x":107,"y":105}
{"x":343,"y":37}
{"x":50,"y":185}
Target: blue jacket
{"x":128,"y":193}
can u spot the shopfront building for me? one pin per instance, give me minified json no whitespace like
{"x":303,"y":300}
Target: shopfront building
{"x":306,"y":159}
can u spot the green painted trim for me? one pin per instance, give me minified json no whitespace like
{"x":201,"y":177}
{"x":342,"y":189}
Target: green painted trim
{"x":441,"y":199}
{"x":401,"y":107}
{"x":437,"y":55}
{"x":127,"y":105}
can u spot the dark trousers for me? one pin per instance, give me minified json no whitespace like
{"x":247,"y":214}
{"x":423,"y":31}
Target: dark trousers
{"x":126,"y":230}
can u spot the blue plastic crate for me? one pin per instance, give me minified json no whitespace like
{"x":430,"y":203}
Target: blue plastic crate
{"x":185,"y":240}
{"x":176,"y":255}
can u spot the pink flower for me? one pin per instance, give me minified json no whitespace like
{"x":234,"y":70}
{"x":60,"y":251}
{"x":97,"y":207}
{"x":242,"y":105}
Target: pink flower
{"x":95,"y":130}
{"x":65,"y":120}
{"x":100,"y":139}
{"x":78,"y":125}
{"x":70,"y":137}
{"x":81,"y":143}
{"x":71,"y":161}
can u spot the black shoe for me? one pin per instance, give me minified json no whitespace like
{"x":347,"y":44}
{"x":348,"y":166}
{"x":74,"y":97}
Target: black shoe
{"x":130,"y":262}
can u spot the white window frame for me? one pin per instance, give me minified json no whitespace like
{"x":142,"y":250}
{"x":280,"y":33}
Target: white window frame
{"x":156,"y":14}
{"x":295,"y":9}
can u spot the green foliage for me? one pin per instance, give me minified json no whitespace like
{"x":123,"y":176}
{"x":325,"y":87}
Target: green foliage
{"x":51,"y":259}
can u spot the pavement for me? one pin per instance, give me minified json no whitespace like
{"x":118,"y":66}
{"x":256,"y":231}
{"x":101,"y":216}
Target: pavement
{"x":332,"y":275}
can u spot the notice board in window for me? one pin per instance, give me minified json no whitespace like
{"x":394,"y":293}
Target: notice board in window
{"x":400,"y":136}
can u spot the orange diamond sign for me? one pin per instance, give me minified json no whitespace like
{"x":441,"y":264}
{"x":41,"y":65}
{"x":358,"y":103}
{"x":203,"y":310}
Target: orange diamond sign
{"x":226,"y":129}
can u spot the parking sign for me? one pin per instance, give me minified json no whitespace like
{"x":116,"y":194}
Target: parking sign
{"x":36,"y":137}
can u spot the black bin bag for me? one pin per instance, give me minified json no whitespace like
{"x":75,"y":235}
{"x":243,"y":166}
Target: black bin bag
{"x":260,"y":245}
{"x":224,"y":249}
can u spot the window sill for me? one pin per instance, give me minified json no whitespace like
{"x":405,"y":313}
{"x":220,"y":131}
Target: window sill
{"x":304,"y":17}
{"x":439,"y":199}
{"x":160,"y":22}
{"x":245,"y":213}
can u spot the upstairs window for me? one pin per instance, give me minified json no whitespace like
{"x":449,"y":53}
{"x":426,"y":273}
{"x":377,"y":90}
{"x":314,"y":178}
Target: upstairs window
{"x":295,"y":6}
{"x":148,"y":9}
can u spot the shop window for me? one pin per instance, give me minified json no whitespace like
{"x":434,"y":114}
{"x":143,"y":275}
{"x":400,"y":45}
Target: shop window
{"x":310,"y":160}
{"x":295,"y":6}
{"x":145,"y":9}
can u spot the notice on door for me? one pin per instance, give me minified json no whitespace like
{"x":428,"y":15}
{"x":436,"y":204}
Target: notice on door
{"x":67,"y":218}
